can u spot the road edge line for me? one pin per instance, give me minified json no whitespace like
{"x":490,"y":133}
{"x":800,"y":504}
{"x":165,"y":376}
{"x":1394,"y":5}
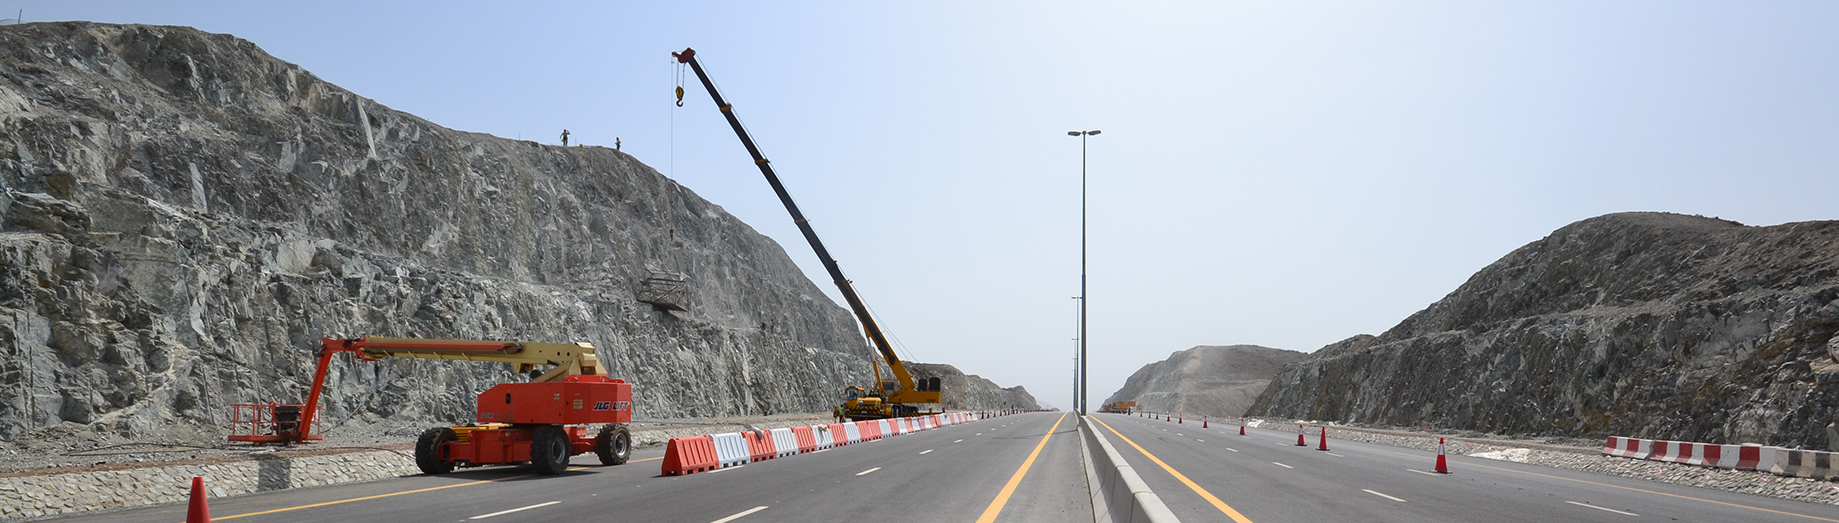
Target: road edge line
{"x":1221,"y":505}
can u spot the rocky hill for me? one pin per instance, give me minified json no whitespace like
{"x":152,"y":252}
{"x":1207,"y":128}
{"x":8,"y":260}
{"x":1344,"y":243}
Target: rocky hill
{"x":186,"y":216}
{"x":1217,"y":381}
{"x":969,"y":392}
{"x":1638,"y":324}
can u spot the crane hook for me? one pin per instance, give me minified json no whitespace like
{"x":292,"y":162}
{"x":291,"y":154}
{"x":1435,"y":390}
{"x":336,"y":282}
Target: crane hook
{"x":679,"y":96}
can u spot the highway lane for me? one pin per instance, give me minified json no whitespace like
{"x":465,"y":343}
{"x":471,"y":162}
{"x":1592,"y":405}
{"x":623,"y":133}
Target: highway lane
{"x":950,"y":473}
{"x":1266,"y":478}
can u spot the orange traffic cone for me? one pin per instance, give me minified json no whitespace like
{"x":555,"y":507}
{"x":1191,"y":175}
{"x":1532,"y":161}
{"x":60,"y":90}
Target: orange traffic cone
{"x":1299,"y":436}
{"x":1179,"y":420}
{"x":1442,"y":464}
{"x":1241,"y":426}
{"x":200,"y":511}
{"x":1203,"y":422}
{"x":1324,"y":440}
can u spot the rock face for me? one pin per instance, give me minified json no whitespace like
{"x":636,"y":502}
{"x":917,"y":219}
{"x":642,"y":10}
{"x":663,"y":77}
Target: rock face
{"x":1218,"y":381}
{"x":972,"y":392}
{"x":185,"y":216}
{"x":1640,"y":324}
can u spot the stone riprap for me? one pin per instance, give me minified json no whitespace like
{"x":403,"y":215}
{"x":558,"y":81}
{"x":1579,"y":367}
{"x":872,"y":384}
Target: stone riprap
{"x":1207,"y":380}
{"x":186,"y":216}
{"x":1650,"y":325}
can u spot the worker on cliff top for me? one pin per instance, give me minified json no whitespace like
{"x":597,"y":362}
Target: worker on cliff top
{"x":565,"y":137}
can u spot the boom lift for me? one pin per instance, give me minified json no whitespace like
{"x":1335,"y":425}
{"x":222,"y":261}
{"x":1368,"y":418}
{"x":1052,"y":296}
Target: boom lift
{"x":539,"y":422}
{"x":901,"y":396}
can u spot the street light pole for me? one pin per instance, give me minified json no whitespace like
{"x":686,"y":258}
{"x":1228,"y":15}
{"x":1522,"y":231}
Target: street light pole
{"x":1082,"y":264}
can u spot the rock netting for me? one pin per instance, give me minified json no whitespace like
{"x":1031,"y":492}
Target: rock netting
{"x":972,"y":392}
{"x":185,"y":216}
{"x":1648,"y":325}
{"x":1207,"y":380}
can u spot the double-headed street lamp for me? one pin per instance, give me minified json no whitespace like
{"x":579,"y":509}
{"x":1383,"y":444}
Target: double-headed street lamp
{"x":1080,"y":402}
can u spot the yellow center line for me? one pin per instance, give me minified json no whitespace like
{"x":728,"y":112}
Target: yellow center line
{"x":1002,"y":498}
{"x":1234,"y":514}
{"x":416,"y":491}
{"x":1643,"y":491}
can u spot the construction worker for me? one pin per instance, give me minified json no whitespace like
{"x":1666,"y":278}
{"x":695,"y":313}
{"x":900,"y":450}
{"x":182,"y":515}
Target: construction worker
{"x":616,"y":143}
{"x":565,"y":137}
{"x":839,"y":413}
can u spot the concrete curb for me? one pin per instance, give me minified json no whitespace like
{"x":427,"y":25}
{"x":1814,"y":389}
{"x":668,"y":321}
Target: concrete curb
{"x":1118,"y":494}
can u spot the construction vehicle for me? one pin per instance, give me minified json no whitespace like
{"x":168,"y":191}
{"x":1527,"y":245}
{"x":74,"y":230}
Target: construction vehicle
{"x":1120,"y":407}
{"x":888,"y":398}
{"x":541,"y":422}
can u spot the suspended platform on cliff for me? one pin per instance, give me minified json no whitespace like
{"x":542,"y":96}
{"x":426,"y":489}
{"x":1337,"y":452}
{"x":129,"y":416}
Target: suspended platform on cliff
{"x":665,"y":290}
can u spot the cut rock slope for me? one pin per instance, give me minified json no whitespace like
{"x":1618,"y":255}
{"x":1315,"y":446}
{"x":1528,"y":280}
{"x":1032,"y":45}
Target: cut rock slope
{"x":1218,"y":381}
{"x":185,"y":216}
{"x":1649,"y":325}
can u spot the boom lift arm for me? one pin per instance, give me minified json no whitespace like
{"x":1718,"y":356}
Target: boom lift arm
{"x":907,"y":393}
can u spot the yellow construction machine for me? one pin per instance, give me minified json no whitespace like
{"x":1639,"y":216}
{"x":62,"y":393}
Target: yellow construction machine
{"x":901,"y":396}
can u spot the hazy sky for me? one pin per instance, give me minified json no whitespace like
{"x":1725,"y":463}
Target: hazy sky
{"x":1285,"y":174}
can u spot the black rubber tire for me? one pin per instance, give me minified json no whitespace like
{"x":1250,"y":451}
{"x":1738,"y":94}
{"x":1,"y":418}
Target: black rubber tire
{"x":428,"y":449}
{"x":613,"y":445}
{"x":549,"y":450}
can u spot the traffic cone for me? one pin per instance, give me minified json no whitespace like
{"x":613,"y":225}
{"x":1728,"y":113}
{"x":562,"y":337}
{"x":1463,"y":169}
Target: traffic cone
{"x":1203,"y":422}
{"x":1178,"y":420}
{"x":1324,"y":440}
{"x":200,"y":511}
{"x":1442,"y":463}
{"x":1241,"y":426}
{"x":1299,"y":436}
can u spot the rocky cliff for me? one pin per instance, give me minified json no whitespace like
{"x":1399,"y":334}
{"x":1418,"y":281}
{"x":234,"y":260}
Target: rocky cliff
{"x":1639,"y":324}
{"x":185,"y":216}
{"x":972,"y":392}
{"x":1218,"y":381}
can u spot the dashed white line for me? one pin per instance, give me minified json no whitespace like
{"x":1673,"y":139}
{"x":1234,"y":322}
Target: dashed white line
{"x":731,"y":468}
{"x":1336,"y":455}
{"x":1424,"y":473}
{"x":927,"y":452}
{"x":503,"y":512}
{"x":1383,"y":496}
{"x":1603,"y":509}
{"x":738,"y":516}
{"x":958,"y":441}
{"x":1200,"y":440}
{"x":868,"y":471}
{"x":1232,"y":449}
{"x":979,"y":434}
{"x":1282,"y":465}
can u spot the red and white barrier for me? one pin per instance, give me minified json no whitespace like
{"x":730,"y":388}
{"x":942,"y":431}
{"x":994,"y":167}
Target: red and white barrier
{"x":688,"y":456}
{"x":1776,"y":460}
{"x":784,"y":443}
{"x":730,"y":450}
{"x":852,"y":433}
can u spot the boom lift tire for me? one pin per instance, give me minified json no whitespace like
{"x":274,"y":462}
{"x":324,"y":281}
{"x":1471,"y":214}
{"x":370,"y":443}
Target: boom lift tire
{"x":428,"y":450}
{"x":549,"y":450}
{"x":613,"y":445}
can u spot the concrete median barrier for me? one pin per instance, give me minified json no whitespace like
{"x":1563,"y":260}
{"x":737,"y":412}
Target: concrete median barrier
{"x":1118,"y":494}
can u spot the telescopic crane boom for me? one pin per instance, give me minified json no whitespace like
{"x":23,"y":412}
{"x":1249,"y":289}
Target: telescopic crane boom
{"x":904,"y":398}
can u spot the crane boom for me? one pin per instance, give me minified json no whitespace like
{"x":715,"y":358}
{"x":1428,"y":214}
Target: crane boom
{"x":804,"y":226}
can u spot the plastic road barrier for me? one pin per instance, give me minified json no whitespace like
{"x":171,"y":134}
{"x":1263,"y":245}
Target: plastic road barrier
{"x":760,"y":445}
{"x":688,"y":456}
{"x":807,"y":441}
{"x":821,"y":433}
{"x":839,"y":434}
{"x":886,"y":429}
{"x":784,"y":442}
{"x":853,"y":431}
{"x":730,"y":449}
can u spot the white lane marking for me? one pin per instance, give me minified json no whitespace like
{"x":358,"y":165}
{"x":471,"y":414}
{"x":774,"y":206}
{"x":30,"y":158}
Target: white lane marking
{"x":1336,"y":455}
{"x":738,"y":516}
{"x":1383,"y":496}
{"x":1232,"y":449}
{"x":1180,"y":434}
{"x":979,"y":434}
{"x":1603,"y":509}
{"x":1424,"y":473}
{"x":927,"y":451}
{"x":1282,"y":465}
{"x":727,"y":469}
{"x":1200,"y":440}
{"x":868,"y":471}
{"x":503,"y":512}
{"x":959,"y":441}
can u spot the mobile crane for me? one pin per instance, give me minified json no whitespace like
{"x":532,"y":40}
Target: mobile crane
{"x":540,"y":422}
{"x":887,"y":399}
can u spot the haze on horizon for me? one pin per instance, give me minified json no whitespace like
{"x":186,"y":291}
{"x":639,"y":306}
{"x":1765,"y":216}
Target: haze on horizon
{"x":1283,"y":175}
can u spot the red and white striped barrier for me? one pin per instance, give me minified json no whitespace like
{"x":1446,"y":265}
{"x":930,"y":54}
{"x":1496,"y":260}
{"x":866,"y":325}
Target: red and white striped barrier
{"x":1780,"y":461}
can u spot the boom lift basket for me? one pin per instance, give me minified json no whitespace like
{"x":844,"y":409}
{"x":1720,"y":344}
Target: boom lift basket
{"x":665,"y":290}
{"x":271,"y":422}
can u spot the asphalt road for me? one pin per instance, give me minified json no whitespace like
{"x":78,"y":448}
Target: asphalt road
{"x":1265,"y":478}
{"x":958,"y":473}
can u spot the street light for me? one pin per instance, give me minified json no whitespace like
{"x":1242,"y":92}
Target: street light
{"x":1081,"y":400}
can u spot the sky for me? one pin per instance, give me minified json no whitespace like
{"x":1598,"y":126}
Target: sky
{"x":1286,"y":174}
